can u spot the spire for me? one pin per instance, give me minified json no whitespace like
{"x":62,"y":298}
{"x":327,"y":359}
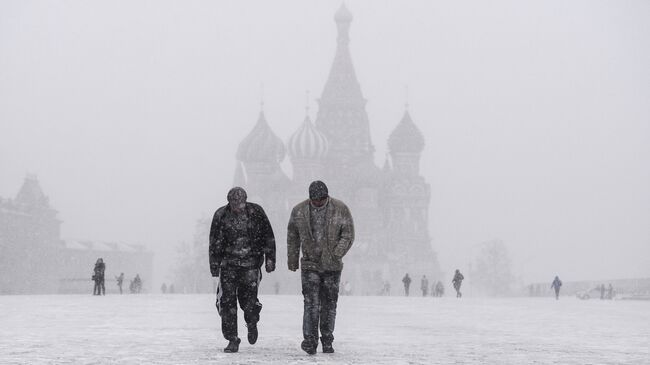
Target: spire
{"x":341,"y":113}
{"x":342,"y":82}
{"x":262,"y":98}
{"x":406,"y":137}
{"x":406,"y":98}
{"x":343,"y":18}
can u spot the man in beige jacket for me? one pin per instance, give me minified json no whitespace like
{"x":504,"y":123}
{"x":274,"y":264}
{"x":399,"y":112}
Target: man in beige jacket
{"x":322,"y":228}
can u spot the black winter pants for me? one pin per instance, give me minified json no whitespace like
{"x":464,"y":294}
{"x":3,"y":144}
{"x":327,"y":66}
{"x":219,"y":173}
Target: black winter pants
{"x":99,"y":288}
{"x":239,"y":284}
{"x":321,"y":292}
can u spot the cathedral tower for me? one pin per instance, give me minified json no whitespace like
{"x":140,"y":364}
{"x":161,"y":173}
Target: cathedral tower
{"x":341,"y":114}
{"x":261,"y":153}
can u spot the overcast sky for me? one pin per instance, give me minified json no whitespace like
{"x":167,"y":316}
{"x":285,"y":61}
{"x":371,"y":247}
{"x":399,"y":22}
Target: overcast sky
{"x":536,"y":115}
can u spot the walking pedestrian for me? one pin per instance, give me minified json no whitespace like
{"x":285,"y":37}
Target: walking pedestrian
{"x":407,"y":284}
{"x":424,"y":285}
{"x":98,"y":277}
{"x":458,"y":281}
{"x":322,"y":228}
{"x":241,"y":241}
{"x":556,"y":285}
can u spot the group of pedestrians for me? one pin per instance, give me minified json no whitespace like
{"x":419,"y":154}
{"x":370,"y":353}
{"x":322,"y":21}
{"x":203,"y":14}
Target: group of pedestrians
{"x":606,"y":293}
{"x":437,"y":288}
{"x":242,"y":242}
{"x":167,"y":289}
{"x":98,"y":279}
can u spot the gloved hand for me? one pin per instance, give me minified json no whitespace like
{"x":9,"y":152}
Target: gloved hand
{"x":270,"y":265}
{"x":293,"y":268}
{"x":215,"y":273}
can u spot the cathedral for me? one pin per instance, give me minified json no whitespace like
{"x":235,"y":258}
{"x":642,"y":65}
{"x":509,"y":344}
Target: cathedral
{"x":389,"y":204}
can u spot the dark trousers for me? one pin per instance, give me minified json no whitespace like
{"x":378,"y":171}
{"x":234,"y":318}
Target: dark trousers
{"x":99,"y":288}
{"x":321,"y":292}
{"x":239,"y":284}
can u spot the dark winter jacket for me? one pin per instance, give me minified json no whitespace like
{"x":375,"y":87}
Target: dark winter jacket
{"x":326,"y":257}
{"x":458,"y":278}
{"x":260,"y":241}
{"x":556,"y":284}
{"x":406,"y":280}
{"x":100,"y":268}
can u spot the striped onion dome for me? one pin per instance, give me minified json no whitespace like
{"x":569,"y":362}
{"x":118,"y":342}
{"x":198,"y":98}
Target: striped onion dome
{"x":307,"y":143}
{"x":261,"y":144}
{"x":406,"y":137}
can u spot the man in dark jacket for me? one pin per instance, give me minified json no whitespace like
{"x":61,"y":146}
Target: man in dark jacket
{"x":322,"y":228}
{"x":556,"y":285}
{"x":241,"y":240}
{"x":458,"y":281}
{"x":98,"y":277}
{"x":424,"y":285}
{"x":407,"y":284}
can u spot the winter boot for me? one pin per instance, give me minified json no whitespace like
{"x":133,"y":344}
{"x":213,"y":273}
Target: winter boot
{"x":327,"y":348}
{"x":252,"y":333}
{"x":309,"y":347}
{"x":233,"y":346}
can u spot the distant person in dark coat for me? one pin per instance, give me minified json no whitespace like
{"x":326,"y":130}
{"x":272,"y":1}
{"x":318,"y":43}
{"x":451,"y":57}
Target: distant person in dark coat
{"x":241,"y":242}
{"x":98,"y":277}
{"x":602,"y":291}
{"x":610,"y":291}
{"x":163,"y":288}
{"x":407,"y":283}
{"x":458,"y":281}
{"x":136,"y":284}
{"x":120,"y":280}
{"x":424,"y":285}
{"x":556,"y":285}
{"x":440,"y":289}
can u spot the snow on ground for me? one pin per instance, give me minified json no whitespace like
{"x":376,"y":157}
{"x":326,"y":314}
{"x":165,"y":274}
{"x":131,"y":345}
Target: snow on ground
{"x":185,"y":329}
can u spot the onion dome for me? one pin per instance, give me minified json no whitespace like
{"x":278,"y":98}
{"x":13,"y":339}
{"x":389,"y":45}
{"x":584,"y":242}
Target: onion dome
{"x":406,"y":137}
{"x":261,"y":144}
{"x":343,"y":15}
{"x":307,"y":143}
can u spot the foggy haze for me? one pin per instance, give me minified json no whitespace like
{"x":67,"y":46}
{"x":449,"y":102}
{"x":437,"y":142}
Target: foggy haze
{"x":535,"y":116}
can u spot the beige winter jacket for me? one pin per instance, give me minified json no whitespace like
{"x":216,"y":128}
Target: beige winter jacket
{"x":340,"y":235}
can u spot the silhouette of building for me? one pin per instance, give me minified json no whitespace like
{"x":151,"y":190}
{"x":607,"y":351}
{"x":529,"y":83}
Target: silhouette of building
{"x":35,"y":260}
{"x":390,"y":205}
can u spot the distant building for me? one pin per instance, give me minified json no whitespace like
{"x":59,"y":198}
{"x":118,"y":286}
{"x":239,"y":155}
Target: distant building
{"x":35,"y":260}
{"x":390,"y":205}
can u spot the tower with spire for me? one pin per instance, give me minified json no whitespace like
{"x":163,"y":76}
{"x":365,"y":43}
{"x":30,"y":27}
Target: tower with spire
{"x":342,"y":113}
{"x":390,"y":205}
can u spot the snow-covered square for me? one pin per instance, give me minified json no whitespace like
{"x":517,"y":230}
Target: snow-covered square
{"x":185,"y":329}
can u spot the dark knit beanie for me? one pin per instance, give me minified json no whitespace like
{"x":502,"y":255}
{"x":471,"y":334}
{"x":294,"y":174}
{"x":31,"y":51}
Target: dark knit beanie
{"x":317,"y":190}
